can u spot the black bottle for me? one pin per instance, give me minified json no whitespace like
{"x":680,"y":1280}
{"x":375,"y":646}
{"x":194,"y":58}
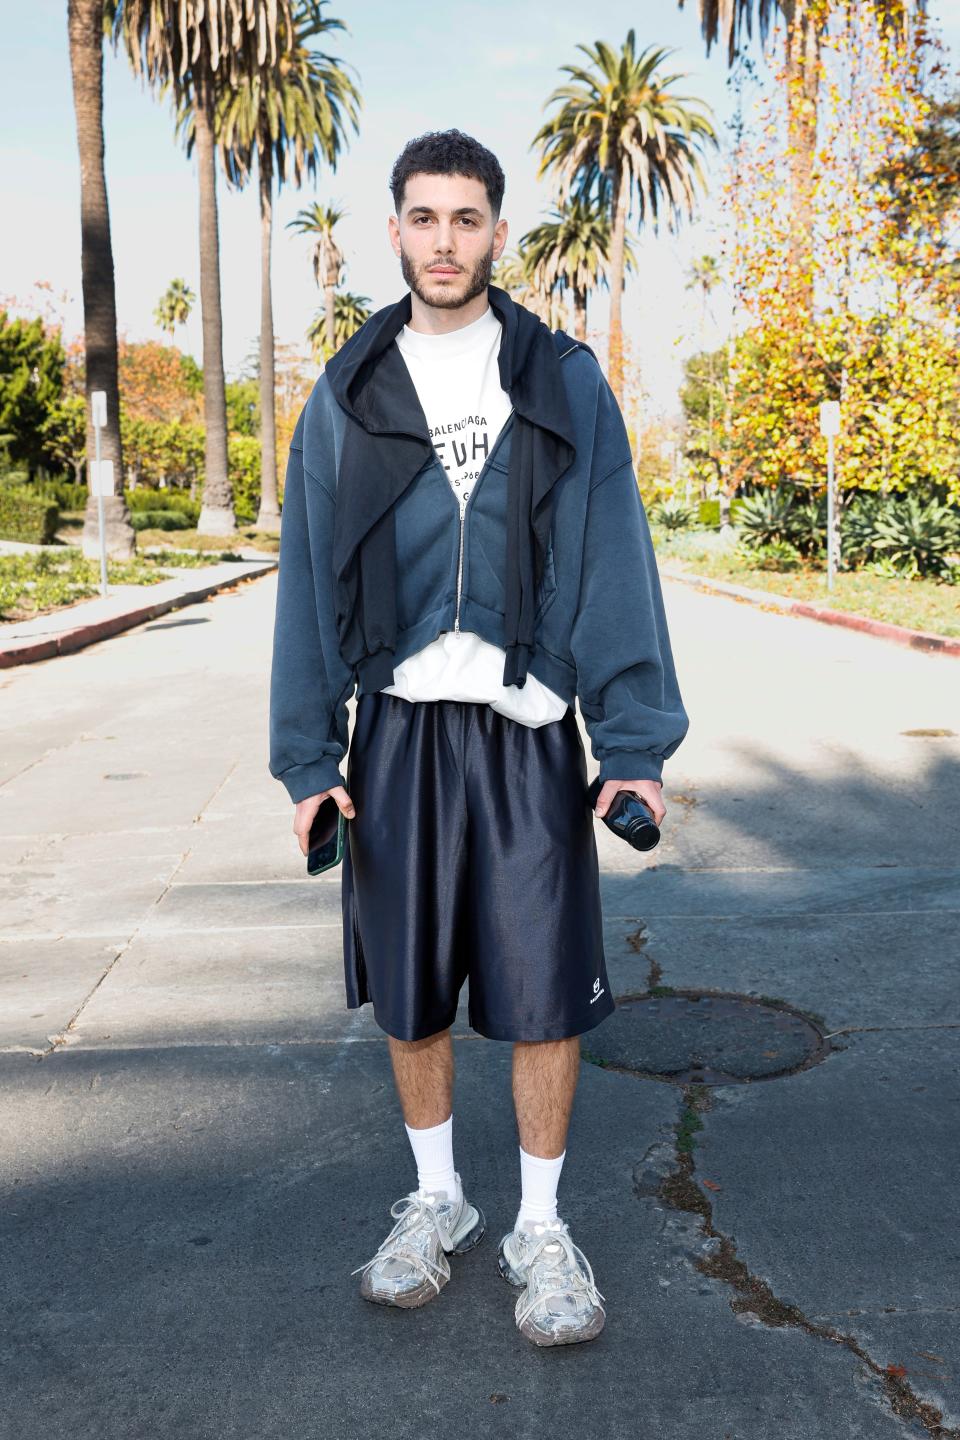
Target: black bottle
{"x":627,"y":816}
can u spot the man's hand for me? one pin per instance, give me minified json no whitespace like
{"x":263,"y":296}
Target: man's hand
{"x":648,"y":790}
{"x":306,"y":810}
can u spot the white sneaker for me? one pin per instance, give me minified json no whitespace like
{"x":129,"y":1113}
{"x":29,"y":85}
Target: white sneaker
{"x":560,"y":1303}
{"x":411,"y":1265}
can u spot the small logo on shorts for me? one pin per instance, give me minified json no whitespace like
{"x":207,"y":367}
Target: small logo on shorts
{"x":597,"y":992}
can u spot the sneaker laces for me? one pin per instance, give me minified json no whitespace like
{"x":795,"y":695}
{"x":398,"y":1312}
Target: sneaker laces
{"x":566,"y":1259}
{"x":410,"y":1213}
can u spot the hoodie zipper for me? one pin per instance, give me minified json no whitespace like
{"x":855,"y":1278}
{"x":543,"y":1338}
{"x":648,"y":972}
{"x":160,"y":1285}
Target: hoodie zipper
{"x":456,"y":623}
{"x":463,"y":513}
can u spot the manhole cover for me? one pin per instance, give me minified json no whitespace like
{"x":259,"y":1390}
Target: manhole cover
{"x":707,"y":1039}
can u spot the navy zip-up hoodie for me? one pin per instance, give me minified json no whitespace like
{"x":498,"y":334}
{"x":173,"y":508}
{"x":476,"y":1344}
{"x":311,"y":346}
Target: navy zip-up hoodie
{"x":600,"y":631}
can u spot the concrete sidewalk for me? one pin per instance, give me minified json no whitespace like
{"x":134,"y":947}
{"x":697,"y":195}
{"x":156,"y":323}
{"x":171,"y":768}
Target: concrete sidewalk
{"x":198,"y":1143}
{"x":73,"y":627}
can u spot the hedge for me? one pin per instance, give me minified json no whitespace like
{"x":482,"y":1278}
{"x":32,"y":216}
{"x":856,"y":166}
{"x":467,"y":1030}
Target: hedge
{"x":27,"y":517}
{"x":160,"y":520}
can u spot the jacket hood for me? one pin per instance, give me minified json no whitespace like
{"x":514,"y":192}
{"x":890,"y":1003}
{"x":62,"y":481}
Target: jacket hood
{"x":387,"y":446}
{"x":393,"y":408}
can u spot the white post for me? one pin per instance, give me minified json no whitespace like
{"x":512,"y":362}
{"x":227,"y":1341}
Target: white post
{"x":830,"y":427}
{"x":98,"y":407}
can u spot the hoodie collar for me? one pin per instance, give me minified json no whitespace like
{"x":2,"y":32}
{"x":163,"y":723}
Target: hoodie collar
{"x":394,"y":407}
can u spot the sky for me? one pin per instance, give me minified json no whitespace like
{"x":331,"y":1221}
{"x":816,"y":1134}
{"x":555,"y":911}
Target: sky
{"x":485,"y":68}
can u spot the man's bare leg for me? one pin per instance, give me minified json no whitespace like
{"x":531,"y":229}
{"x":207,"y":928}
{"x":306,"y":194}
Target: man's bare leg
{"x":545,"y":1074}
{"x":423,"y":1071}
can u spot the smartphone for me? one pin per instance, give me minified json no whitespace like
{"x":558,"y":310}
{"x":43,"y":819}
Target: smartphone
{"x":326,"y":839}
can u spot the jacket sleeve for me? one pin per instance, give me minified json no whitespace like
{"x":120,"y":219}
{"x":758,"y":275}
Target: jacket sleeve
{"x":626,"y":682}
{"x":310,"y":683}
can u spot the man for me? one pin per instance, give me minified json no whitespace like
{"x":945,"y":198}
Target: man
{"x":464,"y":544}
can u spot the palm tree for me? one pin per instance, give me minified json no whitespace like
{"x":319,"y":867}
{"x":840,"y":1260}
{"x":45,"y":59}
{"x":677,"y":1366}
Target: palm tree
{"x":619,"y":133}
{"x":291,"y":119}
{"x":806,"y":23}
{"x":704,"y":275}
{"x":571,"y":252}
{"x":174,"y":307}
{"x":349,"y":313}
{"x":85,"y":27}
{"x":198,"y":48}
{"x":321,"y":220}
{"x":529,"y":286}
{"x":510,"y":273}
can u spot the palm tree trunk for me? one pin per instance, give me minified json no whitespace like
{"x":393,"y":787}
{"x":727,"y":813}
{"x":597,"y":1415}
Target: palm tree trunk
{"x":803,"y":85}
{"x":268,"y":517}
{"x":329,"y":294}
{"x":85,"y":27}
{"x":579,"y":312}
{"x":617,"y":254}
{"x":216,"y":514}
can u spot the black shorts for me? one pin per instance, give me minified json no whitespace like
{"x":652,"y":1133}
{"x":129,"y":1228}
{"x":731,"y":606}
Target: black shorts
{"x":472,"y":855}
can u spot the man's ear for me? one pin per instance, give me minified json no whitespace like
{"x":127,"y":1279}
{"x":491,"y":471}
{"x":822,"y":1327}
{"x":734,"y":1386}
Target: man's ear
{"x":393,"y":232}
{"x":499,"y":238}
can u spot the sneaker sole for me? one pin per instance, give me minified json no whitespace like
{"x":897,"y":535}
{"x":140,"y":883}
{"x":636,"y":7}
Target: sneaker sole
{"x":512,"y":1276}
{"x":473,"y":1236}
{"x":589,"y":1332}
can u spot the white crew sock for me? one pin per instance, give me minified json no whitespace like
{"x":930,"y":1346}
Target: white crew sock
{"x":433,"y":1152}
{"x":538,"y":1183}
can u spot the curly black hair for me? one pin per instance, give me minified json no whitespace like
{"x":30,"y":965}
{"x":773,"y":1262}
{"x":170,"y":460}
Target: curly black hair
{"x":448,"y":152}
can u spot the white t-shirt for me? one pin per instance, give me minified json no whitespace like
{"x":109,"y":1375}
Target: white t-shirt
{"x":457,"y":379}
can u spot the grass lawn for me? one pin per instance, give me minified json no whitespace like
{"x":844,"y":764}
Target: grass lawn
{"x":71,"y":528}
{"x":261,"y":540}
{"x":918,"y":604}
{"x":40,"y":581}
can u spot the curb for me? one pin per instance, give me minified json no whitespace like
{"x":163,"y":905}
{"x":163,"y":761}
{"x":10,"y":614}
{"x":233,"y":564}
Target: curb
{"x":65,"y":642}
{"x":767,"y":599}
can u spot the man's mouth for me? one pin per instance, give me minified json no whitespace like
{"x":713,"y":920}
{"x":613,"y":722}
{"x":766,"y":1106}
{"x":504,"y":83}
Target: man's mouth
{"x":443,"y":270}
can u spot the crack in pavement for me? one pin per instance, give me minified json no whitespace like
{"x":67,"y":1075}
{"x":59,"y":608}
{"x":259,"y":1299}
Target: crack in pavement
{"x":59,"y":1040}
{"x":668,"y":1173}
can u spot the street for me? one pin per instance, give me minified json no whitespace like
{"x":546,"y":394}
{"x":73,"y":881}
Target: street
{"x":199,"y":1143}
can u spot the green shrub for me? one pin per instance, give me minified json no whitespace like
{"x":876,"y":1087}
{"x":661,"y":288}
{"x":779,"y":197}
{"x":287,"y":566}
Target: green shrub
{"x":919,"y":539}
{"x":161,"y":520}
{"x":144,"y":497}
{"x":709,"y":511}
{"x":67,"y":494}
{"x":673,"y":515}
{"x":765,"y":518}
{"x":244,"y":451}
{"x":777,"y":516}
{"x":774,"y":555}
{"x":858,"y":528}
{"x":27,"y":517}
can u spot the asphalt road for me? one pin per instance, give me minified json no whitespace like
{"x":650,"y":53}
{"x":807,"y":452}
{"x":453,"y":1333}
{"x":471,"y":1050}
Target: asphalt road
{"x":198,"y":1143}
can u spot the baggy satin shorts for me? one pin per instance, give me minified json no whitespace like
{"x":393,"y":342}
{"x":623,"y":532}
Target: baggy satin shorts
{"x":472,"y":856}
